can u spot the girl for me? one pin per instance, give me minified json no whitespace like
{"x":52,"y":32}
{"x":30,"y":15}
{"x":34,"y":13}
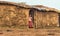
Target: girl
{"x":30,"y":22}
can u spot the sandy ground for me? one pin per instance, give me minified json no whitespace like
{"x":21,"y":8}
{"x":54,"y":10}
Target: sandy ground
{"x":29,"y":32}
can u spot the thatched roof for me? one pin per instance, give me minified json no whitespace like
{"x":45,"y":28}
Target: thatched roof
{"x":41,"y":7}
{"x":14,"y":4}
{"x":38,"y":7}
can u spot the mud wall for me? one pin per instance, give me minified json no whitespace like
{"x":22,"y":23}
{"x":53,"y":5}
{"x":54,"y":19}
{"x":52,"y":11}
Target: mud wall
{"x":12,"y":15}
{"x":44,"y":19}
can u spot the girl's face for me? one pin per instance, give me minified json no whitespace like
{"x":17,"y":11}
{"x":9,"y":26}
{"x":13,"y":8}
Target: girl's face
{"x":30,"y":15}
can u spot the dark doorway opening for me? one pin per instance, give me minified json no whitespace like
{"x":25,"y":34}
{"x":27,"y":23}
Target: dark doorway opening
{"x":31,"y":14}
{"x":59,"y":19}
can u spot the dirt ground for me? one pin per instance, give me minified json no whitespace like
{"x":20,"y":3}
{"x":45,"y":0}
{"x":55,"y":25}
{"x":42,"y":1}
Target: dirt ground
{"x":29,"y":32}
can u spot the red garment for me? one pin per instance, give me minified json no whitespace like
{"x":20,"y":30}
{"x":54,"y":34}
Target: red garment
{"x":30,"y":24}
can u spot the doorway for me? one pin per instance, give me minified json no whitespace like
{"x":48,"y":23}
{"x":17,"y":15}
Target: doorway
{"x":59,"y":19}
{"x":31,"y":14}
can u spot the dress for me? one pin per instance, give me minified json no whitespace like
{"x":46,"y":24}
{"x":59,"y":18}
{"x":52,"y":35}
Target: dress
{"x":30,"y":22}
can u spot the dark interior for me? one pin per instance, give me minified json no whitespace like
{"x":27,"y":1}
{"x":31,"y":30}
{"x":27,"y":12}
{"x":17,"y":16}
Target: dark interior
{"x":59,"y":19}
{"x":31,"y":12}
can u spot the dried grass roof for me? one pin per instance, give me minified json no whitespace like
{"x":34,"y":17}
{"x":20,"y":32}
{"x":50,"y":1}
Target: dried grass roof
{"x":38,"y":7}
{"x":46,"y":8}
{"x":14,"y":4}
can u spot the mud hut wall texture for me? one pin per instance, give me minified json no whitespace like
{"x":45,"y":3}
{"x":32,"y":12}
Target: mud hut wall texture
{"x":43,"y":19}
{"x":11,"y":15}
{"x":24,"y":15}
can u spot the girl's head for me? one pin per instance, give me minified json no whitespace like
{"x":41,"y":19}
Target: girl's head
{"x":29,"y":15}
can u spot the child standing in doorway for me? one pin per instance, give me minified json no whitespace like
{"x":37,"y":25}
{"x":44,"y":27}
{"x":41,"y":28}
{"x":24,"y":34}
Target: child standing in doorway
{"x":30,"y":22}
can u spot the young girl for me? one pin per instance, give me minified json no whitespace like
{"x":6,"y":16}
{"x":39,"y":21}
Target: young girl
{"x":30,"y":22}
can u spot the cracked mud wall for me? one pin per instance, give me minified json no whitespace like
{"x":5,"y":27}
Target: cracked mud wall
{"x":11,"y":15}
{"x":44,"y":19}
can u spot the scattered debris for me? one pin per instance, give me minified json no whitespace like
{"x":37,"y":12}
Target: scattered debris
{"x":1,"y":33}
{"x":51,"y":34}
{"x":9,"y":30}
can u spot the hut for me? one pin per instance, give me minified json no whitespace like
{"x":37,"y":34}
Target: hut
{"x":14,"y":14}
